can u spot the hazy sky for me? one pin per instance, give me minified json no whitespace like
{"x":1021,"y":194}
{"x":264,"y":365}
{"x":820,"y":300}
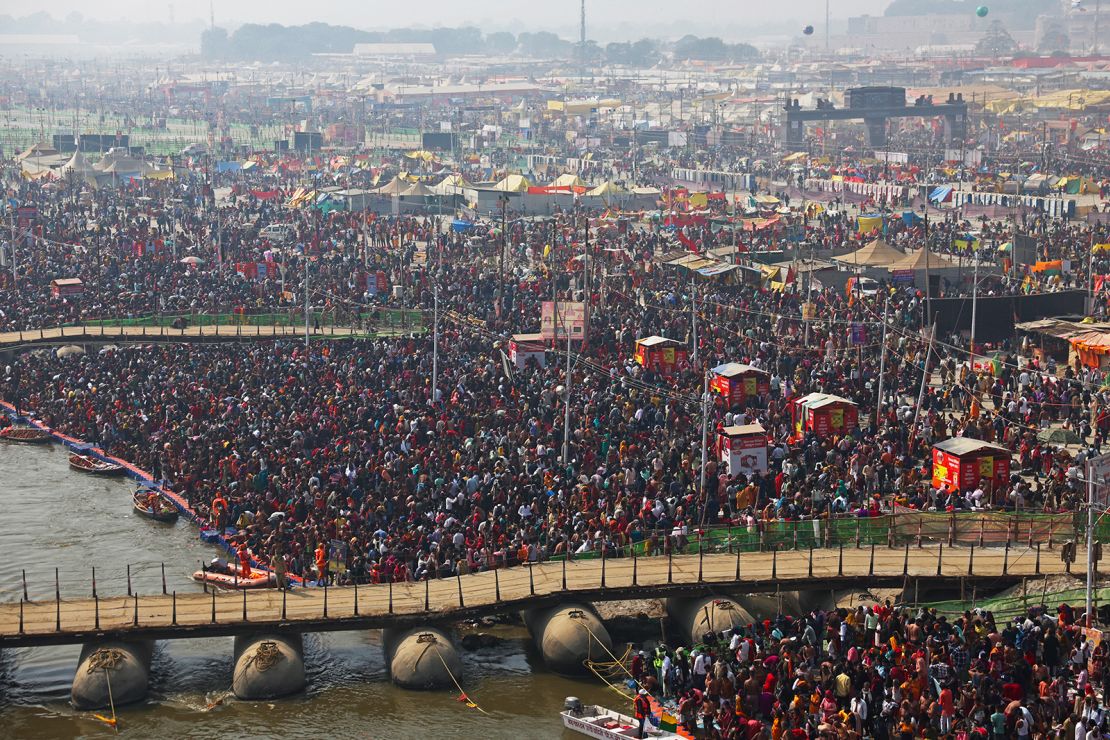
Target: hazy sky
{"x":606,"y":15}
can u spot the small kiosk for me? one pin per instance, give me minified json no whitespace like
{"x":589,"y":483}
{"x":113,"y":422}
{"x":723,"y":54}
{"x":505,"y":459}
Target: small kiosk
{"x":743,"y":449}
{"x":663,"y":355}
{"x":740,"y":384}
{"x":65,"y":287}
{"x":964,"y":463}
{"x":524,"y":347}
{"x":823,"y":414}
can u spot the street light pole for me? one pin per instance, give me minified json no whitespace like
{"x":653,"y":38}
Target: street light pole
{"x":435,"y":341}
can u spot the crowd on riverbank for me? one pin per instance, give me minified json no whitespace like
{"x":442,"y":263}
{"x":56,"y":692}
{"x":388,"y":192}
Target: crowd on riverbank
{"x":884,"y":672}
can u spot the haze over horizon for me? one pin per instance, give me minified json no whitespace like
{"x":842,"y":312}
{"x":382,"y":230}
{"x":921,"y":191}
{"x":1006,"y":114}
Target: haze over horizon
{"x":606,"y":19}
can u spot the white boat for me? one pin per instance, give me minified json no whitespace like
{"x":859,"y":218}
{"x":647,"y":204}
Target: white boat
{"x":605,"y":724}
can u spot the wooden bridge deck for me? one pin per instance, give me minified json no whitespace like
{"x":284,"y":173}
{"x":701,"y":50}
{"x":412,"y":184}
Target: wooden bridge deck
{"x":199,"y":614}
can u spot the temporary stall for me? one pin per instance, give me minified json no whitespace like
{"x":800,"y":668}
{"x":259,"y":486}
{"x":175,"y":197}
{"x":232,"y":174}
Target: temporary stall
{"x":744,"y":449}
{"x":1090,"y":348}
{"x":823,"y":414}
{"x":964,"y":463}
{"x":739,"y":384}
{"x":661,"y":354}
{"x":524,"y":347}
{"x":66,"y":287}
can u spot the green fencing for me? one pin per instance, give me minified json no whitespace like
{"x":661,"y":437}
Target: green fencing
{"x":381,"y":320}
{"x":852,"y":531}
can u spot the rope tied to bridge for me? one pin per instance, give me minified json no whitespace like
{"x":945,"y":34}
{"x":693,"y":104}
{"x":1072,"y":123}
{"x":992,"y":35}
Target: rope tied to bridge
{"x":265,"y":656}
{"x":105,"y":659}
{"x":463,"y":696}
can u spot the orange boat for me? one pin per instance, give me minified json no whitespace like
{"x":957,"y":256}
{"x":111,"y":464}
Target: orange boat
{"x":257,"y":579}
{"x":25,"y":435}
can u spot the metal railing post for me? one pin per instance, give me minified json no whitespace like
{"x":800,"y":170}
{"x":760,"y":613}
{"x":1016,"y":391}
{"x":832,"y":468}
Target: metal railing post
{"x":391,"y":595}
{"x":129,"y":579}
{"x":163,"y":579}
{"x":174,"y":616}
{"x":670,"y":564}
{"x":971,"y":560}
{"x":1038,"y":570}
{"x":775,"y":564}
{"x":810,"y":571}
{"x":356,"y":597}
{"x":940,"y":559}
{"x":496,"y":586}
{"x":245,"y":604}
{"x":58,"y":600}
{"x":214,"y":606}
{"x":427,"y":603}
{"x":871,"y":565}
{"x":135,"y":620}
{"x":906,"y":561}
{"x":25,"y":585}
{"x":458,"y":579}
{"x":840,"y":562}
{"x":532,"y":582}
{"x":1006,"y":559}
{"x":94,"y":581}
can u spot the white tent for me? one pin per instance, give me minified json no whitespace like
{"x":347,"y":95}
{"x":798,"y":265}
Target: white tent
{"x":77,"y":164}
{"x":452,"y":185}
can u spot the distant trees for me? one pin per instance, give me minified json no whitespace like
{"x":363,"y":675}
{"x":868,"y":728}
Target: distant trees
{"x":996,"y":42}
{"x":713,"y":49}
{"x":273,"y":42}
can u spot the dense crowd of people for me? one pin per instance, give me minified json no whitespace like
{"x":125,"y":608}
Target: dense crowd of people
{"x":880,"y":671}
{"x":404,"y":458}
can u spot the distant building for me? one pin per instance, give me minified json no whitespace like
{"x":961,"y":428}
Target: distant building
{"x":395,"y":50}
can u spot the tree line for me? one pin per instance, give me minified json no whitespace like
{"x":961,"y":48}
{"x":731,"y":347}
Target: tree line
{"x":275,"y":42}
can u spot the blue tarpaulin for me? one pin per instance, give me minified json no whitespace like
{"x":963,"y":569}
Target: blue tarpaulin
{"x":228,"y":167}
{"x":941,"y":194}
{"x":460,"y":226}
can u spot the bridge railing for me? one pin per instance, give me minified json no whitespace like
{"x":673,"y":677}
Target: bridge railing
{"x":54,"y":620}
{"x":41,"y":580}
{"x":983,"y":529}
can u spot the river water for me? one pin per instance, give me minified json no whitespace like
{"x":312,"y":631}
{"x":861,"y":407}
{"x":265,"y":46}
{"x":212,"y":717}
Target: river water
{"x":53,"y":517}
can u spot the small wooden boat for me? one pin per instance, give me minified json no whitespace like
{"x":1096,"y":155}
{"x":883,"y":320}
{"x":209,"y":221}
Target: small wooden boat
{"x":89,"y":464}
{"x":149,"y":503}
{"x":257,"y":579}
{"x":25,"y":435}
{"x":605,"y":724}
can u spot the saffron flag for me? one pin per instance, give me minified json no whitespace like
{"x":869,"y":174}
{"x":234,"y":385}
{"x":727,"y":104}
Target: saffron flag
{"x":687,"y":241}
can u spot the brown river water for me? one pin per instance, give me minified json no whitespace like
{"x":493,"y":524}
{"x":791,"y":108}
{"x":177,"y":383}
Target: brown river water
{"x":53,"y":517}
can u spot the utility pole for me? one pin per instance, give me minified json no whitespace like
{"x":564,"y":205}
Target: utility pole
{"x":694,"y":316}
{"x":704,"y":439}
{"x":827,"y":47}
{"x":882,"y":365}
{"x":974,"y":304}
{"x":1090,"y":539}
{"x":504,"y":199}
{"x":435,"y":341}
{"x":566,"y":400}
{"x":15,"y":276}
